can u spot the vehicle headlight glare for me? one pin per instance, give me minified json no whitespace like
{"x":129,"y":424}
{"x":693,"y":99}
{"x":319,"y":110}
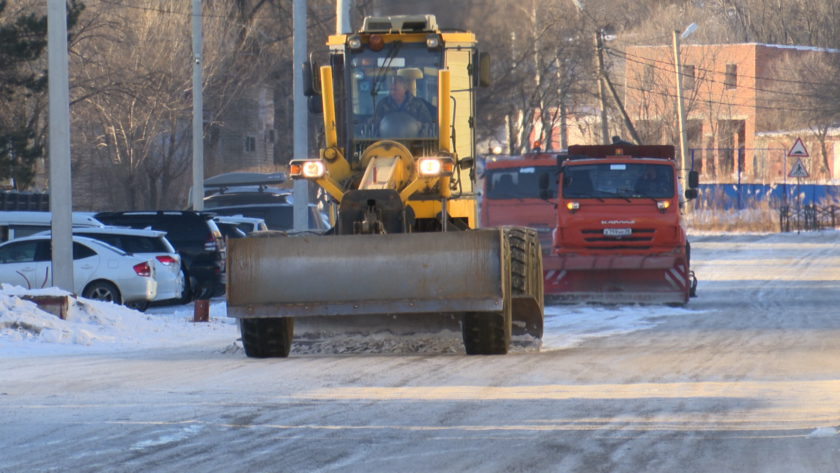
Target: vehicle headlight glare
{"x":662,"y":204}
{"x":313,"y":169}
{"x":430,"y":167}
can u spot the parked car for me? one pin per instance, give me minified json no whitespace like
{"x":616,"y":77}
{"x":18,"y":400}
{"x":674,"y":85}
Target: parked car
{"x":148,"y":244}
{"x":246,"y":224}
{"x":276,"y":216}
{"x":196,"y":238}
{"x":100,"y":271}
{"x":248,"y":195}
{"x":230,"y":230}
{"x":18,"y":224}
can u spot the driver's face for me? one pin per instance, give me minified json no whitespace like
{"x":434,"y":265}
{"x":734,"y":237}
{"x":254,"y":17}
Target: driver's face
{"x":397,"y":89}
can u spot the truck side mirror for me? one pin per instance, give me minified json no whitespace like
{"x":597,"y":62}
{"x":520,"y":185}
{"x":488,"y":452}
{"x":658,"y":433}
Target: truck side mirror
{"x":308,"y":83}
{"x":466,"y":163}
{"x":483,"y":69}
{"x":544,"y":181}
{"x":693,"y":180}
{"x":314,"y":104}
{"x":691,"y":194}
{"x":545,"y":193}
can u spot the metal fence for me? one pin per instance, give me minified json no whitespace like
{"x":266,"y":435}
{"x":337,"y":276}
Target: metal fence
{"x":808,"y":217}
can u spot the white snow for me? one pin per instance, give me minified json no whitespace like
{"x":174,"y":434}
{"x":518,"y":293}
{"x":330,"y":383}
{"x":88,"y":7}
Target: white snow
{"x":26,"y":330}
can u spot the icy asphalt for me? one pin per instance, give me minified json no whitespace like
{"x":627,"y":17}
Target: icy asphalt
{"x":746,"y":378}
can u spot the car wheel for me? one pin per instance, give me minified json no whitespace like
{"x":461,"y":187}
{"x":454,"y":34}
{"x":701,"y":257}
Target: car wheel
{"x":186,"y":296}
{"x":139,"y":306}
{"x":102,"y":291}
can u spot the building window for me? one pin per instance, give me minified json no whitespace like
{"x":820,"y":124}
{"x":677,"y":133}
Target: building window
{"x":270,"y":136}
{"x":250,"y":144}
{"x":647,"y":76}
{"x":688,"y":77}
{"x":730,"y":81}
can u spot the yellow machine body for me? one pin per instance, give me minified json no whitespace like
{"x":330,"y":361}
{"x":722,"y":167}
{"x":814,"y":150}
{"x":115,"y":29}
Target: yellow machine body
{"x":401,"y":183}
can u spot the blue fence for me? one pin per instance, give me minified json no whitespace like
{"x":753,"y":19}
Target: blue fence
{"x":739,"y":196}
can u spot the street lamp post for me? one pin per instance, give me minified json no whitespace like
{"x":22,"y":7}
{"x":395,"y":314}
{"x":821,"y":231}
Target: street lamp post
{"x":680,"y":106}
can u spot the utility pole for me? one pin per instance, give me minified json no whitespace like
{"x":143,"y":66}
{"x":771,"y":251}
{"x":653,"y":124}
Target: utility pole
{"x":61,"y":190}
{"x":301,"y":119}
{"x":599,"y":53}
{"x":342,"y":16}
{"x":198,"y":111}
{"x":681,"y":112}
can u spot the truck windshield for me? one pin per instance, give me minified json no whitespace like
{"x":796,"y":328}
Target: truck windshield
{"x":394,"y":92}
{"x":618,"y":180}
{"x":519,"y":183}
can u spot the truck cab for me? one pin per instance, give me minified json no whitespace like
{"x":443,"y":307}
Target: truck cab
{"x":619,"y":234}
{"x":512,"y":194}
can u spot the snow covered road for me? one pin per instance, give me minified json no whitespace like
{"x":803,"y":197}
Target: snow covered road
{"x":745,"y":378}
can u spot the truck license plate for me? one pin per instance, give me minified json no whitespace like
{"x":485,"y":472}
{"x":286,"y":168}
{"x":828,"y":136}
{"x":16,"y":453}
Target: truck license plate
{"x":617,"y":232}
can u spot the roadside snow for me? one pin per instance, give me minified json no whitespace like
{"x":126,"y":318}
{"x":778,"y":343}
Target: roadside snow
{"x":98,"y":326}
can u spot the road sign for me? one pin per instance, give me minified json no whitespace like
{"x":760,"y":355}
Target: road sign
{"x":798,"y":170}
{"x":798,"y":150}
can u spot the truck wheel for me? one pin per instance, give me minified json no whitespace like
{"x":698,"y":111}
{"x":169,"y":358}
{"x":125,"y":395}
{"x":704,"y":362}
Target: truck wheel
{"x":488,"y":333}
{"x":527,"y":283}
{"x":267,"y":338}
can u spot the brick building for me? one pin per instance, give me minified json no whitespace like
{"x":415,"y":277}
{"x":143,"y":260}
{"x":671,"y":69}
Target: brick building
{"x":734,"y":119}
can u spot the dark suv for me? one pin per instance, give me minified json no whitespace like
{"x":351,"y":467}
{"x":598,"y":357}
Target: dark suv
{"x":196,"y":238}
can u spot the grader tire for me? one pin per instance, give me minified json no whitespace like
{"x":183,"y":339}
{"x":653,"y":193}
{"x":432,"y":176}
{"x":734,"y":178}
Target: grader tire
{"x":267,"y":338}
{"x":486,"y":333}
{"x":527,"y":283}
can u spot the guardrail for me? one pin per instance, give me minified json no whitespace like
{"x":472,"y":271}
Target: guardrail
{"x":808,"y":217}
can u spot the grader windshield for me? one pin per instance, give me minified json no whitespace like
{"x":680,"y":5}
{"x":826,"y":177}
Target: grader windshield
{"x":394,"y":92}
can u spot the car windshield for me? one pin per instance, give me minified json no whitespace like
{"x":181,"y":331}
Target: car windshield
{"x":618,"y":180}
{"x":394,"y":92}
{"x":520,"y":183}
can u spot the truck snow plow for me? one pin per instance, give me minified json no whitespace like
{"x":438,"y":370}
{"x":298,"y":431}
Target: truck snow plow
{"x":619,"y":237}
{"x":398,"y":101}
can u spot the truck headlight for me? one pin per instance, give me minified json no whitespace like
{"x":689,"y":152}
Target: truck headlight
{"x":436,"y":167}
{"x":573,"y":206}
{"x":663,"y":205}
{"x":307,"y":168}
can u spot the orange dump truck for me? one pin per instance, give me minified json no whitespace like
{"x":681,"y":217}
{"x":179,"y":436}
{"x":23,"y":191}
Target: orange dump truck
{"x":619,"y":235}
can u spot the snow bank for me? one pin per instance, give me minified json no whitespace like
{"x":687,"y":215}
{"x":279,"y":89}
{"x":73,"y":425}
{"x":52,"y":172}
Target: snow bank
{"x":25,"y":329}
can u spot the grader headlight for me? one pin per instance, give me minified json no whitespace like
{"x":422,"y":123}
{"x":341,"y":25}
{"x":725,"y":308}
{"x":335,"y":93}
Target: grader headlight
{"x":436,"y":167}
{"x":307,"y":169}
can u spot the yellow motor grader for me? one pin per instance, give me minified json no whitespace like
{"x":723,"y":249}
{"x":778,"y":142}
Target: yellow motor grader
{"x":398,"y":163}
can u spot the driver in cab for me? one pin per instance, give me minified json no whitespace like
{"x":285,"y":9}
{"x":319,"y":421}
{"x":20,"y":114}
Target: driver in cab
{"x":401,"y":100}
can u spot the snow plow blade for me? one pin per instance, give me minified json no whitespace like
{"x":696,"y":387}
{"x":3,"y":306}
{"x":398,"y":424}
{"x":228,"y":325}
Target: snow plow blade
{"x":617,"y":279}
{"x":402,"y":284}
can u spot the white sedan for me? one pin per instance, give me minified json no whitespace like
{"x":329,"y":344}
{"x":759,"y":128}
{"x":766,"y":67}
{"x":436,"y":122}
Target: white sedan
{"x":147,"y":244}
{"x":100,"y":271}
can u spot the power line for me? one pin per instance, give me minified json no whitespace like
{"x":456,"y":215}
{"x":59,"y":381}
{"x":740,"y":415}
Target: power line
{"x":772,"y":79}
{"x":725,"y":104}
{"x":777,"y":92}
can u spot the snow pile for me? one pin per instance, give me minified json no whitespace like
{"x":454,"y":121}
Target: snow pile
{"x":821,"y":432}
{"x":26,"y":328}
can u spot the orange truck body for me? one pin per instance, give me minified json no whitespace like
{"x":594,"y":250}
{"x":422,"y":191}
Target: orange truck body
{"x":612,"y":243}
{"x":622,"y":242}
{"x":512,"y":195}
